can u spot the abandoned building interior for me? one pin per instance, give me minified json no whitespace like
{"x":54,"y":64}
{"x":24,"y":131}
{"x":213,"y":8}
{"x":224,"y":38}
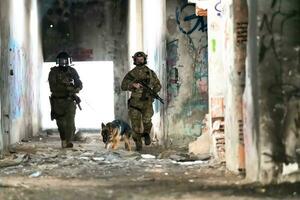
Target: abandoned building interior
{"x":229,"y":127}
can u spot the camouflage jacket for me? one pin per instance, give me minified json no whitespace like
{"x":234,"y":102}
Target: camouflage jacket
{"x":64,"y":81}
{"x":141,"y":73}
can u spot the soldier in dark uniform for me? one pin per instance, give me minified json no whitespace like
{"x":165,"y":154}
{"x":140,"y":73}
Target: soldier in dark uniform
{"x":140,"y":108}
{"x":64,"y":84}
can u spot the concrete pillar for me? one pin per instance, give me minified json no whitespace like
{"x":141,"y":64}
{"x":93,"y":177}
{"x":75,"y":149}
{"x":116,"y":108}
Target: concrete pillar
{"x":154,"y":44}
{"x":1,"y":129}
{"x":135,"y":33}
{"x":20,"y":69}
{"x":272,"y":72}
{"x":5,"y":105}
{"x":216,"y":77}
{"x":227,"y":36}
{"x":235,"y":21}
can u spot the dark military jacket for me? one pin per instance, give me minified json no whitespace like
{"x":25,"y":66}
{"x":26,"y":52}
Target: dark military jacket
{"x":141,"y":73}
{"x":64,"y":81}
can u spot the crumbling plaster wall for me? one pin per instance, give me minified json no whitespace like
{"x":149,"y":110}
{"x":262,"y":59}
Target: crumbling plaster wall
{"x":21,"y":60}
{"x":186,"y":72}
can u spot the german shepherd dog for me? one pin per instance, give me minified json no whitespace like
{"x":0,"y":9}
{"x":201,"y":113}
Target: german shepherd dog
{"x":114,"y":132}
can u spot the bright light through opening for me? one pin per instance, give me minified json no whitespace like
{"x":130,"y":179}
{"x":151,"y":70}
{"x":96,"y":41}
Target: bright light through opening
{"x":97,"y":95}
{"x":17,"y":22}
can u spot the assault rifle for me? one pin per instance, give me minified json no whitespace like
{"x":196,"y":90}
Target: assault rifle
{"x":146,"y":88}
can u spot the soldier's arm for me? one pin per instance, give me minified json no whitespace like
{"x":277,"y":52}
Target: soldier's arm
{"x":156,"y":83}
{"x":127,"y":83}
{"x":77,"y":82}
{"x":51,"y":80}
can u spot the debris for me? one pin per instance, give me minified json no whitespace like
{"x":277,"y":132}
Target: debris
{"x":202,"y":145}
{"x":98,"y":159}
{"x":35,"y":174}
{"x":294,"y":193}
{"x":205,"y":156}
{"x":290,"y":168}
{"x":87,"y":154}
{"x":166,"y":154}
{"x":261,"y":190}
{"x":197,"y":162}
{"x":84,"y":158}
{"x":148,"y":156}
{"x":18,"y":160}
{"x":176,"y":157}
{"x":79,"y":137}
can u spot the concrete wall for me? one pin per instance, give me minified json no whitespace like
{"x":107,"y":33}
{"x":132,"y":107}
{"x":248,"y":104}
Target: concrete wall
{"x":217,"y":82}
{"x":90,"y":31}
{"x":1,"y":126}
{"x":20,"y":69}
{"x":271,"y":111}
{"x":186,"y":72}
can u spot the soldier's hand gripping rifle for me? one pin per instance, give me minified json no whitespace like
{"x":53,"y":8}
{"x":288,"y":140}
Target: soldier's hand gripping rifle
{"x":147,"y":88}
{"x":77,"y":100}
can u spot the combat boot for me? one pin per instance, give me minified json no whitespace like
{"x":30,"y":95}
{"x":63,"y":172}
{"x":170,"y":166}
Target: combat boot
{"x":147,"y":138}
{"x":69,"y":145}
{"x":63,"y":144}
{"x":138,"y":142}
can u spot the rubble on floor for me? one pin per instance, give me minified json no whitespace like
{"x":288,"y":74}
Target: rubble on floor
{"x":39,"y":169}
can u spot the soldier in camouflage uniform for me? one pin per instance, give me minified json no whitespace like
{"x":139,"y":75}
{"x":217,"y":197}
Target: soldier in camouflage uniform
{"x":64,"y":84}
{"x":140,"y":102}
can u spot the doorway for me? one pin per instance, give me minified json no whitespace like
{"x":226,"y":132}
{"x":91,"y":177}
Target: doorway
{"x":97,"y":95}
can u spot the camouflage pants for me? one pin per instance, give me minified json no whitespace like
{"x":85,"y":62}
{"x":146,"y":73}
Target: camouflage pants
{"x":140,"y":112}
{"x":64,"y":111}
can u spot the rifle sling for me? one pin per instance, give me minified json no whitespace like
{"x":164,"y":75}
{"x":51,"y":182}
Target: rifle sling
{"x":136,"y":108}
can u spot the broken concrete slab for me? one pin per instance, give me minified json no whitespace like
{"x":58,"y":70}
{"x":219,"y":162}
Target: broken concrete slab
{"x":202,"y":145}
{"x":14,"y":160}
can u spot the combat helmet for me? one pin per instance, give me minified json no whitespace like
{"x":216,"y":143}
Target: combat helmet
{"x":63,"y":59}
{"x":139,"y":54}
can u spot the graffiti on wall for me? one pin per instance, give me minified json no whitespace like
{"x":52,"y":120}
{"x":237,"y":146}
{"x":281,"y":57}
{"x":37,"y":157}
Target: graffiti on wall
{"x":184,"y":19}
{"x":173,"y":83}
{"x":218,"y":8}
{"x":17,"y":90}
{"x":187,"y":57}
{"x":277,"y":52}
{"x":241,"y":32}
{"x":191,"y":26}
{"x":198,"y":52}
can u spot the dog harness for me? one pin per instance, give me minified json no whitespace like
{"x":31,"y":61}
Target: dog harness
{"x":123,"y":126}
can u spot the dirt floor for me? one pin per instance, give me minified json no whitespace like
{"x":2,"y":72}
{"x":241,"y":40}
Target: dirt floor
{"x":39,"y":169}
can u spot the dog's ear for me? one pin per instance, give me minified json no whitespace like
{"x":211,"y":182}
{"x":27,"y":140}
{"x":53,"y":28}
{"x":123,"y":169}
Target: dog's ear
{"x":102,"y":125}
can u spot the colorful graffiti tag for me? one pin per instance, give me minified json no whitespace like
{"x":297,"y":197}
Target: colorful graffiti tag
{"x":183,"y":17}
{"x":173,"y":83}
{"x":200,"y":63}
{"x":194,"y":29}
